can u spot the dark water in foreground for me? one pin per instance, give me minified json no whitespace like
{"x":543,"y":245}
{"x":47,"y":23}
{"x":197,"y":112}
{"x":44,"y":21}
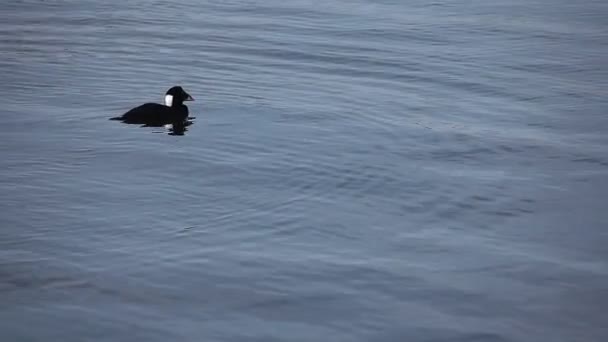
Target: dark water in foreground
{"x":357,"y":171}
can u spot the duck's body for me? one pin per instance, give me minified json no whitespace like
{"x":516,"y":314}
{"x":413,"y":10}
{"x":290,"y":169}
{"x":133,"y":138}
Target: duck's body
{"x":155,"y":114}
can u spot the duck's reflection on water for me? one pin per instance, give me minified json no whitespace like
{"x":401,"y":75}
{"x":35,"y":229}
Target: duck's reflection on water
{"x":171,"y":128}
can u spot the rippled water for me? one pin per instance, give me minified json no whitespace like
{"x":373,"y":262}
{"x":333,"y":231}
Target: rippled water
{"x":357,"y":171}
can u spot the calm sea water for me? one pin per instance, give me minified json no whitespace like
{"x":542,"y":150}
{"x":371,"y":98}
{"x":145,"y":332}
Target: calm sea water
{"x":357,"y":171}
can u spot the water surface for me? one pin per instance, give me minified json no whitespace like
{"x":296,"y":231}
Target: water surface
{"x":357,"y":171}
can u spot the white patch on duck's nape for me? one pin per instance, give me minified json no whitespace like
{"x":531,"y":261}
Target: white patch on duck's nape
{"x":168,"y":100}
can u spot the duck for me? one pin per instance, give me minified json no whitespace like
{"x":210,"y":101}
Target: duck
{"x":173,"y":111}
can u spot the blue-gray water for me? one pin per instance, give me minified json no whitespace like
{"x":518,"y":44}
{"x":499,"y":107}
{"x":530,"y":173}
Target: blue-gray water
{"x":357,"y":171}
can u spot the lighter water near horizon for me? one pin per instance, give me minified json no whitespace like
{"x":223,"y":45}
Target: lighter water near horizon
{"x":356,"y":171}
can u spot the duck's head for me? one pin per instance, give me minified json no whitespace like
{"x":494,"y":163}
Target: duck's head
{"x":176,"y":96}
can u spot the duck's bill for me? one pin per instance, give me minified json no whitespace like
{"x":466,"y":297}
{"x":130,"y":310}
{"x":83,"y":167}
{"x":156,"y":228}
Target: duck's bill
{"x":189,"y":98}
